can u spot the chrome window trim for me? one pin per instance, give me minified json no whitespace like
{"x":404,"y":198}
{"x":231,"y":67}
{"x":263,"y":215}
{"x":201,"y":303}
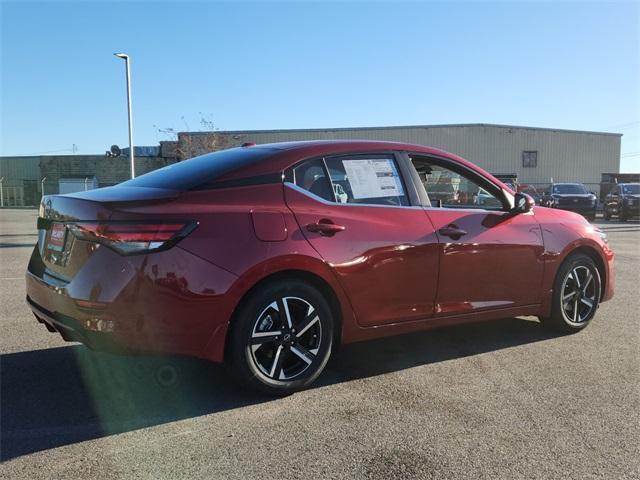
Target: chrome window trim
{"x":336,"y":204}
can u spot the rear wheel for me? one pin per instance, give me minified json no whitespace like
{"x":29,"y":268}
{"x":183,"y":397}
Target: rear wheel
{"x":576,"y":295}
{"x":607,"y":214}
{"x":282,"y":337}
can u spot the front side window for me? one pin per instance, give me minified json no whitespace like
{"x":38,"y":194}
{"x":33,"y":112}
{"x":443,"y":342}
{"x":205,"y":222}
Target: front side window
{"x":446,"y":188}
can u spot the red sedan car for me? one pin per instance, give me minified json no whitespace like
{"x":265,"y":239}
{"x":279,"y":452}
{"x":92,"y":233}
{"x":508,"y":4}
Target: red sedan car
{"x":268,"y":256}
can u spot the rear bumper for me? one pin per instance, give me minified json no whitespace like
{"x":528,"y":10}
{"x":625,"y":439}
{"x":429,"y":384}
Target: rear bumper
{"x":72,"y":330}
{"x":169,"y":302}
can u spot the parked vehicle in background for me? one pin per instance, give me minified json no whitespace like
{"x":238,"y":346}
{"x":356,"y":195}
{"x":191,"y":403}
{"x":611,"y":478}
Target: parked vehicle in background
{"x":623,"y":202}
{"x":266,"y":257}
{"x":573,"y":197}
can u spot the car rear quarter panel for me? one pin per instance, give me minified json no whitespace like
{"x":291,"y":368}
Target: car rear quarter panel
{"x":249,"y":233}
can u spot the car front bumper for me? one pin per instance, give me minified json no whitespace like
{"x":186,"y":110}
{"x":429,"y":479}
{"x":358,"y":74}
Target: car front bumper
{"x":631,"y":210}
{"x":586,"y":210}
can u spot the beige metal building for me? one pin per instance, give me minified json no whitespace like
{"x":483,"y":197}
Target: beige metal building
{"x":535,"y":154}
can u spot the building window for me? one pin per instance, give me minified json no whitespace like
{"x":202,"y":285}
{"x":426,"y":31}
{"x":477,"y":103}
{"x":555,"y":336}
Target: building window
{"x":530,"y":159}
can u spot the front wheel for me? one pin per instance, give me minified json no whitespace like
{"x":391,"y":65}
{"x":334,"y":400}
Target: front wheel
{"x":622,"y":216}
{"x":576,"y":295}
{"x":281,"y":338}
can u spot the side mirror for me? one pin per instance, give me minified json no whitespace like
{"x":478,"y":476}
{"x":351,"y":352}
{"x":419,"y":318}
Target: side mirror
{"x":523,"y":203}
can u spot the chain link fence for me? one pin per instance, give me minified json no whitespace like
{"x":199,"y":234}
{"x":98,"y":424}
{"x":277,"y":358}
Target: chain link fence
{"x":28,"y":193}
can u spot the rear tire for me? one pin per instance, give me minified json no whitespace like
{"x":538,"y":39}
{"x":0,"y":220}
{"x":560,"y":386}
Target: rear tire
{"x":281,"y":338}
{"x":576,"y":295}
{"x":606,"y":214}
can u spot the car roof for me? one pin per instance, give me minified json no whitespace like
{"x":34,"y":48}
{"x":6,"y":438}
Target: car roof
{"x":305,"y":145}
{"x":288,"y":153}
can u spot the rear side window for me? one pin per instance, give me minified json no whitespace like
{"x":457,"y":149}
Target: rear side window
{"x":312,"y":177}
{"x":367,"y":180}
{"x":361,"y":179}
{"x":196,"y":171}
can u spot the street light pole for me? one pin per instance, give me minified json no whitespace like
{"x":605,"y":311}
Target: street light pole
{"x":126,"y":59}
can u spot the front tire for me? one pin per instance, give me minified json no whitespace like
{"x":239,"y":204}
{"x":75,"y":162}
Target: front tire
{"x":576,"y":295}
{"x":281,"y":338}
{"x":622,"y":216}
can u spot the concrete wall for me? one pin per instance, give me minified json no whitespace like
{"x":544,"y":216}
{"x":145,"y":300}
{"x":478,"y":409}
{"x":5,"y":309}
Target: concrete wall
{"x":565,"y":155}
{"x":107,"y":170}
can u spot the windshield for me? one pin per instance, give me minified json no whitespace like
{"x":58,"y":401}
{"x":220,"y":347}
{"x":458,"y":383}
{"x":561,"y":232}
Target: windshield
{"x":631,"y":189}
{"x":190,"y":173}
{"x":569,"y":188}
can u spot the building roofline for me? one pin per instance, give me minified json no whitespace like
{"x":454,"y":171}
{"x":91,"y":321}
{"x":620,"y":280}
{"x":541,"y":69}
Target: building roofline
{"x":396,"y":127}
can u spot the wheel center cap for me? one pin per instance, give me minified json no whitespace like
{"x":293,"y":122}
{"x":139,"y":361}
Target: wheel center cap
{"x":286,"y":337}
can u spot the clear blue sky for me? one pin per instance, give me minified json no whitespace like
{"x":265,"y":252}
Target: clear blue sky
{"x":295,"y":65}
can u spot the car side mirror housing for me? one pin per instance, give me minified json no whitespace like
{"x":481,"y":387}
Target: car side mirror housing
{"x":523,"y":203}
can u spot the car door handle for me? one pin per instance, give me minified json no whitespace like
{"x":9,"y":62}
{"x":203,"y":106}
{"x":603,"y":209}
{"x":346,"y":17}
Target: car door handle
{"x":452,"y":231}
{"x":325,"y":227}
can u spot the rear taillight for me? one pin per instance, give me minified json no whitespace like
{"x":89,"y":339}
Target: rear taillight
{"x":128,"y":238}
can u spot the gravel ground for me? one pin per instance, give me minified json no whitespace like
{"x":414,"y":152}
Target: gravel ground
{"x":503,"y":399}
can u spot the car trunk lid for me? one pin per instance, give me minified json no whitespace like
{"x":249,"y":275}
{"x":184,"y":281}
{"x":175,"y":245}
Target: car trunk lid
{"x":63,"y":252}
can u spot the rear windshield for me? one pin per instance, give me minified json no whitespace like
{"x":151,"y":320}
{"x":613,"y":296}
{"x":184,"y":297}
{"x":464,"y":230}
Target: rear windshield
{"x":191,"y":173}
{"x":569,"y":188}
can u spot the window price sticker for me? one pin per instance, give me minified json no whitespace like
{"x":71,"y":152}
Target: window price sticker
{"x":373,"y":178}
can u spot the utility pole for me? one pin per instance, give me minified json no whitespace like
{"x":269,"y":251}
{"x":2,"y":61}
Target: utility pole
{"x":126,"y":59}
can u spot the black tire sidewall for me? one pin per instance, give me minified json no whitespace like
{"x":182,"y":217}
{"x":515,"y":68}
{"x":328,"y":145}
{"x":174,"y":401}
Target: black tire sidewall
{"x":243,"y":368}
{"x":569,"y":264}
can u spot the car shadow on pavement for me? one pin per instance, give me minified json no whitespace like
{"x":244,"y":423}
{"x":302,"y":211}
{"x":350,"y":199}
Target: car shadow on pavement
{"x":59,"y":396}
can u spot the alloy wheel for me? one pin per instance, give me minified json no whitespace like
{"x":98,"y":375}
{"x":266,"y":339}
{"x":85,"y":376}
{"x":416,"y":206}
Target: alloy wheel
{"x":579,"y":291}
{"x":285,"y":338}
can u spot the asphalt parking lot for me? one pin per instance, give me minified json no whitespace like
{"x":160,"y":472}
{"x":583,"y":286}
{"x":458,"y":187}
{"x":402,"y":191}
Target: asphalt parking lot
{"x":503,"y":399}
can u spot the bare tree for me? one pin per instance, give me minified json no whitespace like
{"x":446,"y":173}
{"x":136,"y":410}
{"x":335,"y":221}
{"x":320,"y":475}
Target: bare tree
{"x":206,"y":139}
